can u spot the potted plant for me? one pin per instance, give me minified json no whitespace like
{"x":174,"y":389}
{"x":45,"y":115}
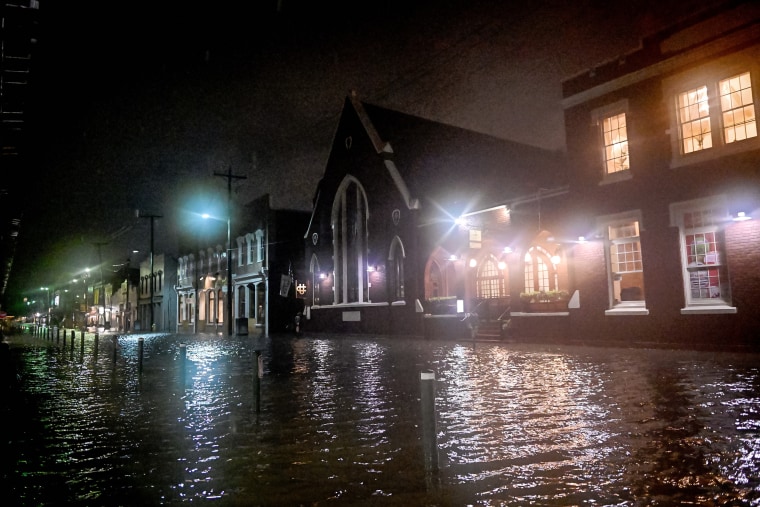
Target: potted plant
{"x":545,"y":301}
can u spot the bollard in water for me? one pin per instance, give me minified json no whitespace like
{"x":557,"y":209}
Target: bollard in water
{"x":94,"y":345}
{"x":115,"y":346}
{"x":64,"y":338}
{"x":140,"y":342}
{"x":429,"y":437}
{"x":182,"y":362}
{"x":258,"y":373}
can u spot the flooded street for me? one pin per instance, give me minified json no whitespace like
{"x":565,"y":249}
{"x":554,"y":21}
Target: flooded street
{"x":340,"y":421}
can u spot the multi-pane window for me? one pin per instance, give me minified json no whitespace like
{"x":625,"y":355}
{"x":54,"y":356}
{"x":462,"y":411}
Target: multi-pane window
{"x":737,"y":106}
{"x":537,"y":270}
{"x":694,"y":120}
{"x":703,"y":244}
{"x":625,"y":261}
{"x":615,"y":135}
{"x":350,"y":239}
{"x":490,"y":282}
{"x":733,"y":111}
{"x":703,"y":252}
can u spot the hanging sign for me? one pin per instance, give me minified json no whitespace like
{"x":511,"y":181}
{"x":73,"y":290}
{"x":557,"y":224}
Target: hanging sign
{"x":284,"y":285}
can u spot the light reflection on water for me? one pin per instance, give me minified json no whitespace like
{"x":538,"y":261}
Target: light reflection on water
{"x":340,"y":422}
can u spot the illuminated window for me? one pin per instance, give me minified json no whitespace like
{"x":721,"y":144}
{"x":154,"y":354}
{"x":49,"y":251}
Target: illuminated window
{"x":694,"y":120}
{"x":615,"y":135}
{"x":537,"y":270}
{"x":737,"y":106}
{"x":624,"y":260}
{"x":489,"y":281}
{"x":703,"y":258}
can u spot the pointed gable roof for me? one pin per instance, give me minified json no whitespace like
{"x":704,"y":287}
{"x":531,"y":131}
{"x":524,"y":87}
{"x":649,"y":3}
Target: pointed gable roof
{"x":459,"y":170}
{"x":437,"y":167}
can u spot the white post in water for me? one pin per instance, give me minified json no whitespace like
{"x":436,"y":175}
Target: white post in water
{"x":429,"y":437}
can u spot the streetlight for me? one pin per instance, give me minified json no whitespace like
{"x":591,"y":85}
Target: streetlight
{"x":229,"y":177}
{"x":47,"y":302}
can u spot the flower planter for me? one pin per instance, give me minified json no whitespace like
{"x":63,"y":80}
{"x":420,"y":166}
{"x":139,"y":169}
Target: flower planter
{"x":545,"y":306}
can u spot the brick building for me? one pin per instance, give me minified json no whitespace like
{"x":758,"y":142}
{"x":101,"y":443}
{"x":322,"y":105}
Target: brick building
{"x":664,"y":184}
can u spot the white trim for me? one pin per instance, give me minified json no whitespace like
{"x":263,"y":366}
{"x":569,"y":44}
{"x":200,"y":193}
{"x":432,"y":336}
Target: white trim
{"x":629,"y":310}
{"x":539,"y":314}
{"x":707,"y":309}
{"x":664,"y":67}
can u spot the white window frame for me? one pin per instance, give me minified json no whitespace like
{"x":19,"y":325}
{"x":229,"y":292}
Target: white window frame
{"x":598,"y":117}
{"x":710,"y":75}
{"x":350,"y":243}
{"x":603,"y":224}
{"x":721,"y":304}
{"x":259,"y":245}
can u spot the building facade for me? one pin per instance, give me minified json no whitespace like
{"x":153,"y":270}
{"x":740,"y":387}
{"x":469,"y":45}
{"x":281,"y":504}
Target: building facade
{"x":665,"y":190}
{"x":266,"y":259}
{"x":645,"y":234}
{"x":156,"y":295}
{"x":414,"y":222}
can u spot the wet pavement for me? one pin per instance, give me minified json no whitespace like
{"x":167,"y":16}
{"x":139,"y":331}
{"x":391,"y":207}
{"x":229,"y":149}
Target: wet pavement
{"x":348,"y":421}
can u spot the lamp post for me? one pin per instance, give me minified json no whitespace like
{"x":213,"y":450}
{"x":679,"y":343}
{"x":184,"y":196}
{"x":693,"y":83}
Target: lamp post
{"x":47,"y":302}
{"x":102,"y":283}
{"x":229,"y":177}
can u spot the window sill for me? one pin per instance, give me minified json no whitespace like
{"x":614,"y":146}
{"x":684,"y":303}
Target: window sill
{"x":348,"y":305}
{"x":539,"y":314}
{"x":616,"y":177}
{"x":640,"y":310}
{"x":707,"y":310}
{"x":716,"y":151}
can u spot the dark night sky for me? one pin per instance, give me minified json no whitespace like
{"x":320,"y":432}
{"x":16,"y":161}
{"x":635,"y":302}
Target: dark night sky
{"x":139,"y":103}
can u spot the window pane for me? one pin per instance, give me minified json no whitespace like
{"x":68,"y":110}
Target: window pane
{"x":694,"y":120}
{"x":703,"y":247}
{"x":489,"y":280}
{"x":626,"y":264}
{"x":615,"y":136}
{"x":738,"y":108}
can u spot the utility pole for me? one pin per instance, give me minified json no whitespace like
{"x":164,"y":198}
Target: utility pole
{"x":152,"y":281}
{"x":102,"y":285}
{"x":229,"y":177}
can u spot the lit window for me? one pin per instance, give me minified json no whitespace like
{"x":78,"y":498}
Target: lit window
{"x":694,"y":120}
{"x":615,"y":133}
{"x":490,"y":282}
{"x":625,"y":262}
{"x":738,"y":109}
{"x":537,"y":267}
{"x":703,"y":251}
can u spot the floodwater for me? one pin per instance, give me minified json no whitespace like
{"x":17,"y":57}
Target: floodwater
{"x":345,"y":421}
